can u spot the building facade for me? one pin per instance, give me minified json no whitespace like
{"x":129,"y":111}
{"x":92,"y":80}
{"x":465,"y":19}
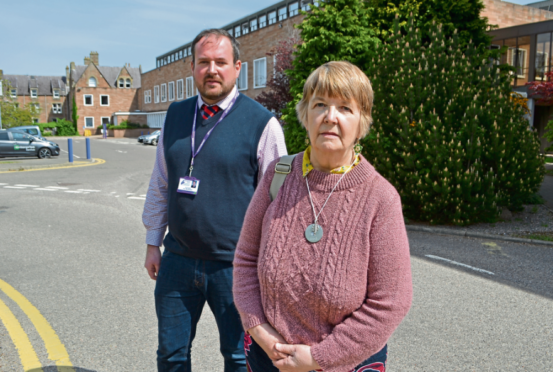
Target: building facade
{"x":257,"y":34}
{"x":47,"y":94}
{"x":103,"y":93}
{"x":505,"y":14}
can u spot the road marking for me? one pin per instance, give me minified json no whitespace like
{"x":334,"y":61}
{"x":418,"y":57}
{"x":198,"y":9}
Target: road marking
{"x":28,"y":185}
{"x":13,"y":187}
{"x":459,"y":264}
{"x":27,"y":354}
{"x":136,"y":198}
{"x":75,"y":156}
{"x":122,"y":152}
{"x":58,"y":188}
{"x":130,"y":193}
{"x":43,"y":189}
{"x":56,"y":350}
{"x":3,"y":184}
{"x":74,"y":192}
{"x":85,"y":190}
{"x":80,"y":164}
{"x":143,"y":195}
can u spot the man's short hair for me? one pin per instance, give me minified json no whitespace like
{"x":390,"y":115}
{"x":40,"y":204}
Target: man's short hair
{"x":217,"y":32}
{"x":343,"y":80}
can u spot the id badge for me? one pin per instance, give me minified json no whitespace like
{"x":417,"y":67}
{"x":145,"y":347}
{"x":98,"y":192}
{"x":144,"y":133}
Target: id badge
{"x":188,"y":185}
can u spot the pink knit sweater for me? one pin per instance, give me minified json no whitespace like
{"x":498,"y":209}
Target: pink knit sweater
{"x":344,"y":295}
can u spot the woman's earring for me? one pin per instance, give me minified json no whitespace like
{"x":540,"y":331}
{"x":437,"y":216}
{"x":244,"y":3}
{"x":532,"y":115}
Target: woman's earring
{"x":357,"y":148}
{"x":307,"y":142}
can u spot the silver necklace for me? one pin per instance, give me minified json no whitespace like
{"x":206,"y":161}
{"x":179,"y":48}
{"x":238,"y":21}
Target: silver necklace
{"x":314,"y":232}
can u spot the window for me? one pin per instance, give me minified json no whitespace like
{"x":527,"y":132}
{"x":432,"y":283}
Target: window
{"x":36,"y":106}
{"x":148,"y":96}
{"x":305,"y":5}
{"x":180,"y":53}
{"x":293,"y":9}
{"x":245,"y":28}
{"x":128,"y":83}
{"x":242,"y":81}
{"x":262,"y":21}
{"x":189,"y":87}
{"x":88,"y":100}
{"x":185,"y":53}
{"x":518,"y":59}
{"x":18,"y":136}
{"x":253,"y":25}
{"x":163,"y":92}
{"x":35,"y":120}
{"x":106,"y":120}
{"x":180,"y":89}
{"x":156,"y":94}
{"x":171,"y":91}
{"x":34,"y":93}
{"x":104,"y":100}
{"x":542,"y":63}
{"x":272,"y":17}
{"x":121,"y":83}
{"x":260,"y":73}
{"x":92,"y":82}
{"x":282,"y":14}
{"x":56,"y":108}
{"x":158,"y":63}
{"x":230,"y":31}
{"x":4,"y":136}
{"x":189,"y":51}
{"x":56,"y":94}
{"x":237,"y":31}
{"x":14,"y":93}
{"x":89,"y":122}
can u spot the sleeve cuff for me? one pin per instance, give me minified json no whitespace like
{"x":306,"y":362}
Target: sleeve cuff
{"x":250,"y":320}
{"x":155,"y":237}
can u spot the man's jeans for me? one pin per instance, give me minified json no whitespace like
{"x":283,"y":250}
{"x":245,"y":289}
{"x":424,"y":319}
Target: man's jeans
{"x":182,"y":288}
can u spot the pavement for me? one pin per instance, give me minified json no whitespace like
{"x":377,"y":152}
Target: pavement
{"x":72,"y":244}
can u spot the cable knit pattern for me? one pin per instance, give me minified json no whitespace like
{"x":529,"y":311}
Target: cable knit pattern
{"x":344,"y":295}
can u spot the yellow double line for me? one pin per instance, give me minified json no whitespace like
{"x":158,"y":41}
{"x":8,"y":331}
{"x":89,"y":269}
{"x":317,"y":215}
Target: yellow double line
{"x":56,"y":351}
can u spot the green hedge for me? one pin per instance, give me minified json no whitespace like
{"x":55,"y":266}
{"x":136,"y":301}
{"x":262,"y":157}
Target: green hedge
{"x":63,"y":128}
{"x":125,"y":124}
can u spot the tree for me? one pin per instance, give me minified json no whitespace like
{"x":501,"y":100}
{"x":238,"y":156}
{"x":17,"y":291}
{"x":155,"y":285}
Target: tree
{"x":74,"y":115}
{"x":12,"y":114}
{"x":278,"y":94}
{"x":337,"y":30}
{"x":446,"y":132}
{"x":461,"y":16}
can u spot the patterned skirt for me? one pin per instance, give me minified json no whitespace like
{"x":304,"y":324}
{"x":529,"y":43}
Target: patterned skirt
{"x":258,"y":361}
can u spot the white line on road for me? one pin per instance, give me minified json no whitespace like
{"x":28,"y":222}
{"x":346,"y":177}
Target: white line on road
{"x":58,"y":187}
{"x":130,"y":193}
{"x":44,"y":189}
{"x":459,"y":264}
{"x":13,"y":187}
{"x":27,"y":185}
{"x":78,"y":157}
{"x":143,"y":195}
{"x":74,"y":192}
{"x":3,"y":184}
{"x":86,"y":190}
{"x":136,"y":198}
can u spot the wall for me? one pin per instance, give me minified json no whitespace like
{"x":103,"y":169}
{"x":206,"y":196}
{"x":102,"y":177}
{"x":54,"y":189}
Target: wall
{"x":45,"y":102}
{"x":505,"y":14}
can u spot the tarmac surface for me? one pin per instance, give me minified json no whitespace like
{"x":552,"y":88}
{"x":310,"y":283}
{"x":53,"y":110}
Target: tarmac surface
{"x":72,"y":243}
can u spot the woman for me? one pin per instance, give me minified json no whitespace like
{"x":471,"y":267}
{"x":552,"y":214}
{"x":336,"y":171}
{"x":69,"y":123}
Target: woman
{"x":322,"y":274}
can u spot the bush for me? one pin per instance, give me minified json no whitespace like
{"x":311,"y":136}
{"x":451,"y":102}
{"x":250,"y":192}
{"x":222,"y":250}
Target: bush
{"x":447,"y":132}
{"x":60,"y":128}
{"x":125,"y":124}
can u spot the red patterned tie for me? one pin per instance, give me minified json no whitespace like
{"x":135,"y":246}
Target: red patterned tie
{"x":209,"y":111}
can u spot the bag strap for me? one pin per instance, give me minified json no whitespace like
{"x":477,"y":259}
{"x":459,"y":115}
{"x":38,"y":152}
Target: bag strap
{"x":282,"y":169}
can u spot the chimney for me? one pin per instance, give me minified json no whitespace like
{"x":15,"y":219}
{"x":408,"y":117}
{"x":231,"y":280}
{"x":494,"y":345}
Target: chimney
{"x":86,"y":61}
{"x":1,"y":74}
{"x":67,"y":75}
{"x":72,"y":64}
{"x":95,"y":58}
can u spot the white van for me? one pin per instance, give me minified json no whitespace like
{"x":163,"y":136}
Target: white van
{"x":33,"y":130}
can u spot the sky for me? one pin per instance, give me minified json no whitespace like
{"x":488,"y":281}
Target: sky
{"x":42,"y":37}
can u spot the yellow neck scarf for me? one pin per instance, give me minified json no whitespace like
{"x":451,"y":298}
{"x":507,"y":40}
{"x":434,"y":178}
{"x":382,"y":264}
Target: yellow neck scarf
{"x":308,"y":167}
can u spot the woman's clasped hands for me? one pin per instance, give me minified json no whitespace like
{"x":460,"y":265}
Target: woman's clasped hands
{"x":285,"y":357}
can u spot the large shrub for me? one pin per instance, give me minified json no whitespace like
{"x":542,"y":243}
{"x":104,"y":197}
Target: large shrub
{"x":60,"y":128}
{"x":447,"y":133}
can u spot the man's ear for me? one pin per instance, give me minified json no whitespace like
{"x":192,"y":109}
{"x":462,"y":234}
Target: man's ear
{"x":238,"y":66}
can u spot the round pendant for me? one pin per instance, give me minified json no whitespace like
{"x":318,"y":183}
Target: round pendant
{"x":314,"y":233}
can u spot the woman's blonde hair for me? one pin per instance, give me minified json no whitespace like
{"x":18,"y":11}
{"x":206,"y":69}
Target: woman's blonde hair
{"x":339,"y":79}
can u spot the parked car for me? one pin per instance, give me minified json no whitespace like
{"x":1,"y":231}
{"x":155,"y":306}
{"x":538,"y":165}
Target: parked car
{"x":33,"y":130}
{"x":14,"y":143}
{"x":151,"y":139}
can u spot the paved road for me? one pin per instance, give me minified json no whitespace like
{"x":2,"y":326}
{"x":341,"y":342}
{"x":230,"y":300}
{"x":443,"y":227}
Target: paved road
{"x":76,"y":254}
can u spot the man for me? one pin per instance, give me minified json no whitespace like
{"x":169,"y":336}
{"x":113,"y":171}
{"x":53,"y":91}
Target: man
{"x":212,"y":152}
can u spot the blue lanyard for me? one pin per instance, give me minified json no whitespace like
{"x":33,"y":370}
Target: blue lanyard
{"x":195,"y":153}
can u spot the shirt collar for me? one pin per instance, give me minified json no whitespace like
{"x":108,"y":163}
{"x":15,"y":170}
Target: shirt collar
{"x":223,"y":104}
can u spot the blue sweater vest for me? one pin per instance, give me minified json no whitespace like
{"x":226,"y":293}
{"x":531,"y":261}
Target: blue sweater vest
{"x":207,"y":225}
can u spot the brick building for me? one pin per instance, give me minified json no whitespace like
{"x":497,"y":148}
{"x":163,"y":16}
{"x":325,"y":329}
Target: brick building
{"x":257,"y":33}
{"x":506,"y":14}
{"x":103,"y":94}
{"x":48,"y":94}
